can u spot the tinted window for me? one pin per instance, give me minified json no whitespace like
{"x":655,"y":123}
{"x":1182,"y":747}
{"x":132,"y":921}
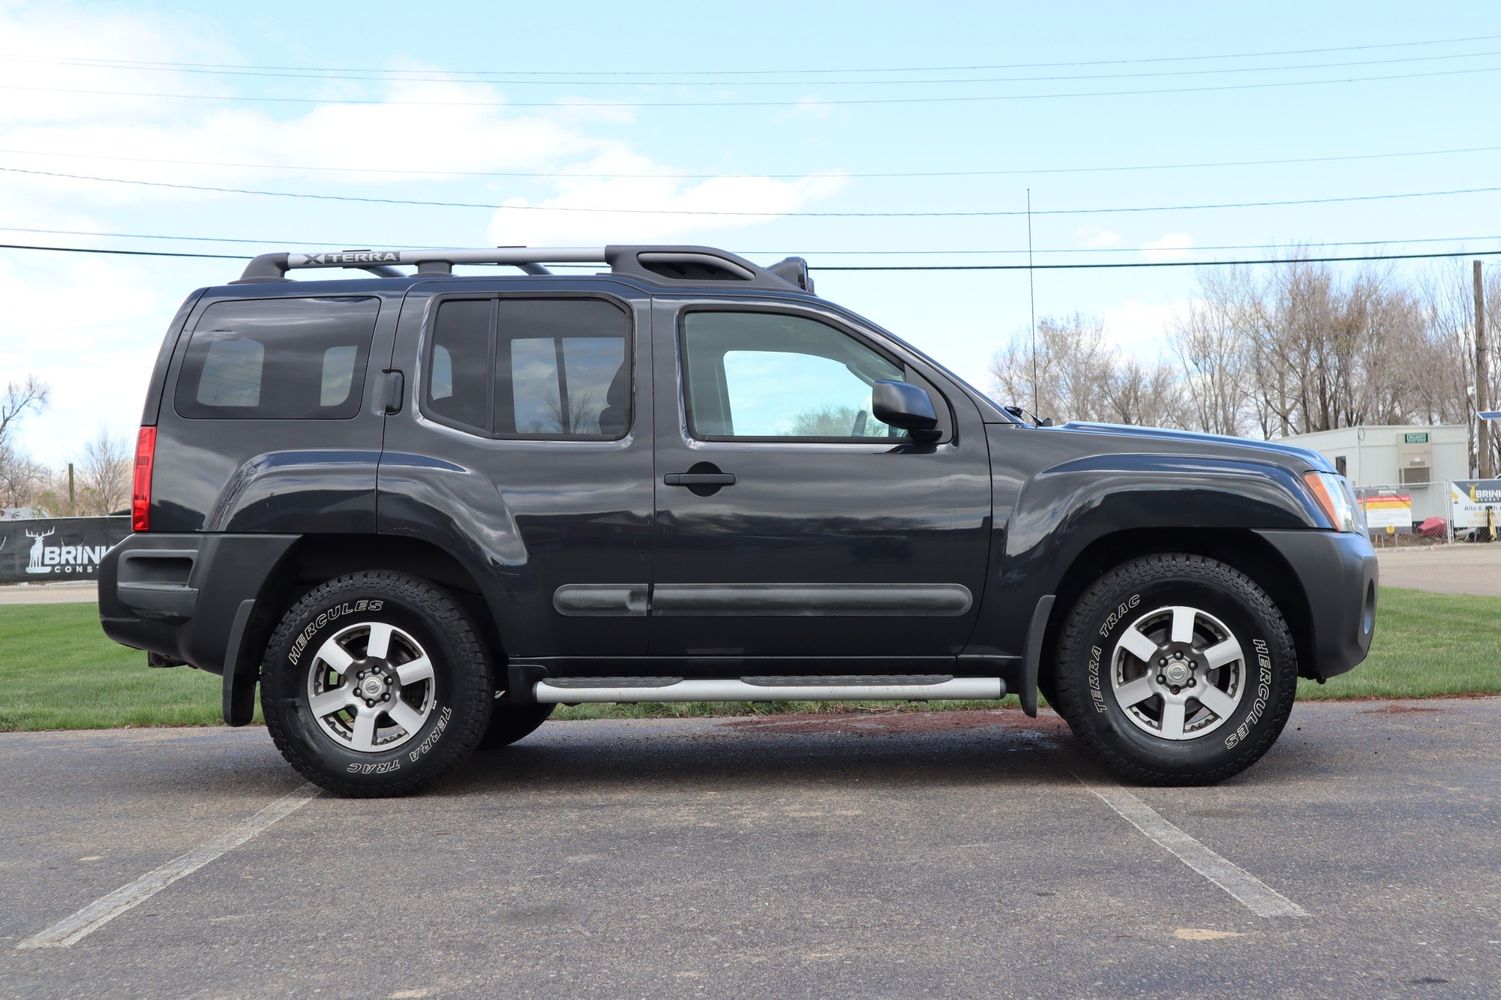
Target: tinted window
{"x":763,"y":375}
{"x":458,"y":386}
{"x":560,"y":367}
{"x":301,"y":358}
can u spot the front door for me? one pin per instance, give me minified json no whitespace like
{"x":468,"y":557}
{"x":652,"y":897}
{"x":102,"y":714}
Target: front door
{"x":790,"y":523}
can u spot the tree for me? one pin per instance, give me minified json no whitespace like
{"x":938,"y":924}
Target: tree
{"x":1072,"y":369}
{"x":1213,"y":349}
{"x":1147,"y":397}
{"x":20,"y":477}
{"x":30,"y":393}
{"x":829,"y":421}
{"x":105,"y":473}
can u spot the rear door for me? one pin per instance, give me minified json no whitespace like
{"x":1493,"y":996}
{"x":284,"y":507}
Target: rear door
{"x":826,"y":536}
{"x":521,"y":451}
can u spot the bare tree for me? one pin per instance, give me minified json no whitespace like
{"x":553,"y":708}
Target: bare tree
{"x":105,"y":473}
{"x":829,"y":420}
{"x":28,"y":394}
{"x":1073,"y":369}
{"x":1147,"y":397}
{"x":1214,"y":346}
{"x":20,"y":477}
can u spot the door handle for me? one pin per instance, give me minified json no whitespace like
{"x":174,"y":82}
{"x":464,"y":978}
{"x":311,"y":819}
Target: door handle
{"x":395,"y":384}
{"x":699,"y":479}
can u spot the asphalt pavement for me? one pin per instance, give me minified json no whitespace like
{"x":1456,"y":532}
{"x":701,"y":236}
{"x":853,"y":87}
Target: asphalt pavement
{"x":969,"y":854}
{"x":1458,"y":568}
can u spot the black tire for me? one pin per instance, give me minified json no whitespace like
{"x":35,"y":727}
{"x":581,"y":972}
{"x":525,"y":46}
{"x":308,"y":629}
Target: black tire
{"x":1092,"y":660}
{"x":509,"y":723}
{"x":453,"y":699}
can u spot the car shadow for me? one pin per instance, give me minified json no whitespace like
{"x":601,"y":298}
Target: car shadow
{"x":939,"y":749}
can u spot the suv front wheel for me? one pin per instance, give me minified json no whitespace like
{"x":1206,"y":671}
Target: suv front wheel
{"x":1175,"y":669}
{"x":376,"y":683}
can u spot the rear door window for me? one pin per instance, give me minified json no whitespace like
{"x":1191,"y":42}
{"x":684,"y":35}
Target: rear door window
{"x":528,"y":367}
{"x":278,"y":359}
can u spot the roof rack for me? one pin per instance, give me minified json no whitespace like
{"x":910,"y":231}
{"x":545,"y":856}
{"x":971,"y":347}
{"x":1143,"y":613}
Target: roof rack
{"x":657,"y":264}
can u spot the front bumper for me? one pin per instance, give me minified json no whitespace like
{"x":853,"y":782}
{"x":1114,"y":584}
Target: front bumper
{"x":1338,"y":574}
{"x":185,"y":598}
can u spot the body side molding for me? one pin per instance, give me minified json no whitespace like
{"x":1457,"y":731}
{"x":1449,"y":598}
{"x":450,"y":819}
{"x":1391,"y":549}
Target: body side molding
{"x":885,"y":599}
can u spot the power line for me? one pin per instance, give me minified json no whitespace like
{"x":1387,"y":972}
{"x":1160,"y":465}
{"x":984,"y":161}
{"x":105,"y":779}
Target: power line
{"x":813,"y":70}
{"x":899,"y":267}
{"x":797,"y":102}
{"x":1121,"y":265}
{"x":1014,"y":172}
{"x":996,"y":213}
{"x":122,"y":253}
{"x":776,"y":253}
{"x":781,"y":253}
{"x":597,"y":80}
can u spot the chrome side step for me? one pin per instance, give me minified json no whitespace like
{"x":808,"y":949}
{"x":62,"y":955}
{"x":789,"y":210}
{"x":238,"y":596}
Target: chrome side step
{"x":571,"y":690}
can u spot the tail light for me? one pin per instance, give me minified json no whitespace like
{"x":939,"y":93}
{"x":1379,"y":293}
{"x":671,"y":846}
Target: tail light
{"x":140,"y":494}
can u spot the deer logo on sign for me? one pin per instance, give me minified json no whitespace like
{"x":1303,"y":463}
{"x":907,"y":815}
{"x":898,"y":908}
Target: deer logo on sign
{"x":35,"y":566}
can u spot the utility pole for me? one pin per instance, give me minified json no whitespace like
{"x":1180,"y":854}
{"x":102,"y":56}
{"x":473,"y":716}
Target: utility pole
{"x":1482,"y":378}
{"x":72,"y":508}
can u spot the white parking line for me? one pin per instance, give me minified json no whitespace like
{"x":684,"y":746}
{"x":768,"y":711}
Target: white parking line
{"x":1260,"y":898}
{"x":72,"y":929}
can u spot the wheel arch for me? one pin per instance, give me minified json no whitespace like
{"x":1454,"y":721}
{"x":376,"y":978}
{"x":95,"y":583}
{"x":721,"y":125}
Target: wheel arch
{"x":1241,"y":549}
{"x":313,"y":559}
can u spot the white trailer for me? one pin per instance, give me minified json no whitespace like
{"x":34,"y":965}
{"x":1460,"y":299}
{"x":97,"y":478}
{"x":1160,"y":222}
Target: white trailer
{"x":1402,"y":459}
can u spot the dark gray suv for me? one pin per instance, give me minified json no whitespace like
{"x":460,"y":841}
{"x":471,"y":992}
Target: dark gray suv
{"x":419,"y":509}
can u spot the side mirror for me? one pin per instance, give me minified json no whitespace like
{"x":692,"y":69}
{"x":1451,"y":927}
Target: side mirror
{"x":905,"y":406}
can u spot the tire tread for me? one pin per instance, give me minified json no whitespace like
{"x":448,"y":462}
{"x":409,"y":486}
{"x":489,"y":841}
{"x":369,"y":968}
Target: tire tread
{"x":447,"y":616}
{"x":1073,"y":701}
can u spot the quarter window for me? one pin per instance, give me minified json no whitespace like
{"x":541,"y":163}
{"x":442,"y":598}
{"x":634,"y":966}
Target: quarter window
{"x":766,"y":375}
{"x":294,"y":358}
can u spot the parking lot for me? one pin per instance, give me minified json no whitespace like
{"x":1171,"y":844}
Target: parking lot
{"x":912,"y":854}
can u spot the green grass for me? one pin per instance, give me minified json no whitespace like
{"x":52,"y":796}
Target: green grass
{"x":58,"y":671}
{"x":1426,"y":645}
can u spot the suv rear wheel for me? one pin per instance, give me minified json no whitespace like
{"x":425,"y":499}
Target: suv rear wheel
{"x":1176,"y":669}
{"x":376,"y":683}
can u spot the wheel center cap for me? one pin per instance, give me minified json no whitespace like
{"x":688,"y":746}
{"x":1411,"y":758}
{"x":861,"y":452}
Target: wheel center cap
{"x":372,"y":687}
{"x":1177,"y":673}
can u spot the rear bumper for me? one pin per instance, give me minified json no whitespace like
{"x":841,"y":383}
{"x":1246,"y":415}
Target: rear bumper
{"x":1338,"y":574}
{"x":185,"y":598}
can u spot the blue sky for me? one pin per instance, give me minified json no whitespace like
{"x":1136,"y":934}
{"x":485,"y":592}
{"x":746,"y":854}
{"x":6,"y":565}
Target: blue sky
{"x":91,"y":324}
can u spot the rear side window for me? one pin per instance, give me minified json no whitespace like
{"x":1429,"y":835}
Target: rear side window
{"x":278,"y":359}
{"x":531,"y":368}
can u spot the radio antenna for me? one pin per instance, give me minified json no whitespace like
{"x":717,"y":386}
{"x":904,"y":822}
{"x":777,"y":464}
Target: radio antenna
{"x":1032,"y":300}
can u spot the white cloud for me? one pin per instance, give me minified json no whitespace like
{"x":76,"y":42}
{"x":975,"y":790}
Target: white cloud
{"x":1096,"y":238}
{"x":1141,"y":329}
{"x":653,"y":203}
{"x":91,"y":326}
{"x":1173,"y":246}
{"x":463,"y":128}
{"x":808,"y":106}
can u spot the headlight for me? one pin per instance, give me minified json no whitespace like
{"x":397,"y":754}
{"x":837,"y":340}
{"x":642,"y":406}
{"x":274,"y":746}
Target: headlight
{"x":1336,"y":499}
